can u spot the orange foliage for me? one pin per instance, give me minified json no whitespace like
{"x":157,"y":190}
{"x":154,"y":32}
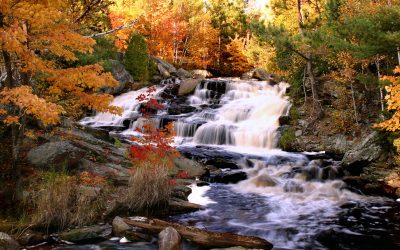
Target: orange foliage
{"x":37,"y":35}
{"x":393,"y":103}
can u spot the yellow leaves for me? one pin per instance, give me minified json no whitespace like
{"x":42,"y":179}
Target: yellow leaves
{"x":29,"y":104}
{"x":9,"y":120}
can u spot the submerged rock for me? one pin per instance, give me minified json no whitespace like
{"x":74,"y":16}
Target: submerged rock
{"x":169,"y":239}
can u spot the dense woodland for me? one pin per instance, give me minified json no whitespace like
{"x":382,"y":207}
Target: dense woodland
{"x":341,"y":59}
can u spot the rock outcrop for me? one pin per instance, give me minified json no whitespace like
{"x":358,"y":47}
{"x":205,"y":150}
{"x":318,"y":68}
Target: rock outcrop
{"x":363,"y":154}
{"x":60,"y":155}
{"x":121,"y":75}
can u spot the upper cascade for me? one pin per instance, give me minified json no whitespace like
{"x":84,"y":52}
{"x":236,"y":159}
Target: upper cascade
{"x":235,"y":112}
{"x":228,"y":112}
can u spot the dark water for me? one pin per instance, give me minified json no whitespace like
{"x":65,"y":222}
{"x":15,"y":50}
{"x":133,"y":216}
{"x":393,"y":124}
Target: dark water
{"x":356,"y":225}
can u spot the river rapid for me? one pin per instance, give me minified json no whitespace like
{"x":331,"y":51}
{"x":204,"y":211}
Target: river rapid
{"x":294,"y":200}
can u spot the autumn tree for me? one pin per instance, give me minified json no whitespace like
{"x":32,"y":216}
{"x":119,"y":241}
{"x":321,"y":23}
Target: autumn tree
{"x":35,"y":36}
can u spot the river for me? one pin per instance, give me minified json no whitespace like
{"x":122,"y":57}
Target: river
{"x":291,"y":199}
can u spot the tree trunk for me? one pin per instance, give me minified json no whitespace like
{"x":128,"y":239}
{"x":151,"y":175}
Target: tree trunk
{"x":201,"y":237}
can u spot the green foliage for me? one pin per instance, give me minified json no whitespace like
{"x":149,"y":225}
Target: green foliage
{"x":287,"y":139}
{"x":137,"y":59}
{"x":118,"y":143}
{"x":104,"y":52}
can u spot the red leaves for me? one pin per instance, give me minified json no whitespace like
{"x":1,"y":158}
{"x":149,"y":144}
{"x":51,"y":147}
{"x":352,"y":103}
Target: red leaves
{"x":154,"y":146}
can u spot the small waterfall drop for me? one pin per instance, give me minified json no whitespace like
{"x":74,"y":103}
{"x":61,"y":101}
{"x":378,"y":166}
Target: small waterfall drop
{"x":130,"y":110}
{"x":237,"y":113}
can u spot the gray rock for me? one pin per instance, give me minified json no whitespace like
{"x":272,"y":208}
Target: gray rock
{"x":119,"y":226}
{"x":169,"y":239}
{"x":121,"y":75}
{"x":201,"y":74}
{"x":166,"y":65}
{"x":298,"y":133}
{"x":59,"y":155}
{"x":261,"y":74}
{"x":8,"y":243}
{"x":83,"y":234}
{"x":188,"y":86}
{"x":182,"y":73}
{"x":364,"y":153}
{"x":163,"y":71}
{"x":247,"y":75}
{"x":30,"y":238}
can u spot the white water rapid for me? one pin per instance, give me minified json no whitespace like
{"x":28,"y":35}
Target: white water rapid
{"x":246,"y":114}
{"x":289,"y":199}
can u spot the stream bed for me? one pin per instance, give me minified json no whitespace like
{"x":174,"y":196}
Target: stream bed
{"x":293,"y":200}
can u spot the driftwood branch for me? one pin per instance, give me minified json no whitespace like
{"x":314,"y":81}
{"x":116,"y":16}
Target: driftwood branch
{"x":127,"y":26}
{"x":201,"y":237}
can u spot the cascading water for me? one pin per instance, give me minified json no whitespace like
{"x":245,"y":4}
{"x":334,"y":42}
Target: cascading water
{"x":287,"y":199}
{"x":248,"y":115}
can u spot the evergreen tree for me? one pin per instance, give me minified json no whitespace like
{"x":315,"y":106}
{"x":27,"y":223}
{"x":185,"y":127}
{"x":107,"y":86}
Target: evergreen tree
{"x":136,"y":58}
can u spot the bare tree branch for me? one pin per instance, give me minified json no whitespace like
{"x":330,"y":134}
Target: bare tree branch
{"x":127,"y":26}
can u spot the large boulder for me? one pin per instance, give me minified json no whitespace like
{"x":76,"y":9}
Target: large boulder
{"x":119,"y":227}
{"x":169,"y":239}
{"x":201,"y":74}
{"x":366,"y":152}
{"x":163,"y":71}
{"x":121,"y":75}
{"x":261,"y":74}
{"x":188,"y":86}
{"x":182,"y":73}
{"x":8,"y":243}
{"x":59,"y":155}
{"x":166,"y":65}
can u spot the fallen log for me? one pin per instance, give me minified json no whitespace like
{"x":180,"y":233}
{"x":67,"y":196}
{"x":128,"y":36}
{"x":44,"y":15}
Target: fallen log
{"x":199,"y":236}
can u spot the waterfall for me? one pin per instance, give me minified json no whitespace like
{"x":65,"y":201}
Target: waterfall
{"x":130,"y":110}
{"x":247,"y":113}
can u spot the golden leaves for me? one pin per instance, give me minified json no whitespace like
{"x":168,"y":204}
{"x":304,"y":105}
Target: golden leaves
{"x":30,"y":104}
{"x":393,"y":103}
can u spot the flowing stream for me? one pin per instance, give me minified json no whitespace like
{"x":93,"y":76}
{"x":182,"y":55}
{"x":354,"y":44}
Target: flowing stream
{"x":289,"y":199}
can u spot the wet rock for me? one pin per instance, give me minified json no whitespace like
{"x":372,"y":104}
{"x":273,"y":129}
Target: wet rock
{"x":30,"y":238}
{"x":8,"y":243}
{"x":178,"y":109}
{"x":201,"y":74}
{"x":181,"y":192}
{"x":177,"y":206}
{"x":228,"y":177}
{"x":121,"y":75}
{"x":284,"y":120}
{"x":363,"y":154}
{"x":169,"y":239}
{"x":203,"y":183}
{"x":59,"y":155}
{"x":247,"y":75}
{"x":182,"y":73}
{"x":84,"y":234}
{"x":119,"y":227}
{"x":264,"y":181}
{"x":191,"y":167}
{"x":188,"y":86}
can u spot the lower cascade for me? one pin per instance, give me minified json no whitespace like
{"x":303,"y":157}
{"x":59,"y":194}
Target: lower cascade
{"x":289,"y":199}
